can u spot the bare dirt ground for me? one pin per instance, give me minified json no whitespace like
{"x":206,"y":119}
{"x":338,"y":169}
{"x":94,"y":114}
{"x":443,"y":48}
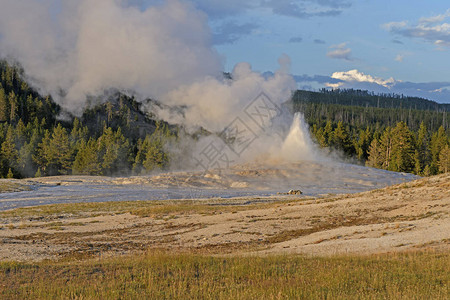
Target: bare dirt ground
{"x":403,"y":217}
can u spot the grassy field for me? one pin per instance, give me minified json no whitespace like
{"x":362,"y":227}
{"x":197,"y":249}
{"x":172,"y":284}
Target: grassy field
{"x":159,"y":275}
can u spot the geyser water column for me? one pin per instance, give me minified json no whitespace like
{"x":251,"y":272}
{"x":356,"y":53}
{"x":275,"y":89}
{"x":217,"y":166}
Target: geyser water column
{"x":298,"y":144}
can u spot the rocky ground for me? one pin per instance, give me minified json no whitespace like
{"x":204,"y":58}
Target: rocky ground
{"x":403,"y":217}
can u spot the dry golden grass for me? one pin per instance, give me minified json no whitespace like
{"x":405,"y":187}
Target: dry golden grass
{"x":157,"y":275}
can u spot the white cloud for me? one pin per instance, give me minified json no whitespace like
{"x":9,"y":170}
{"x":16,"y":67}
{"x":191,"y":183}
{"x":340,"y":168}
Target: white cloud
{"x":435,"y":19}
{"x":340,"y":51}
{"x":432,"y":29}
{"x":357,"y":76}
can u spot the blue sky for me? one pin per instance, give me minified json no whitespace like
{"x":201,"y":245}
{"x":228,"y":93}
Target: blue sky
{"x":392,"y":46}
{"x":400,"y":46}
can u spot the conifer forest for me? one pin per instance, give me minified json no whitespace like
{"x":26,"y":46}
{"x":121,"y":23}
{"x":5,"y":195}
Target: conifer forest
{"x":386,"y":131}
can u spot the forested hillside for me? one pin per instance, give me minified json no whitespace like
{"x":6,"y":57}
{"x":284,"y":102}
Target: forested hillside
{"x":368,"y":99}
{"x":116,"y":137}
{"x":391,"y":132}
{"x":110,"y":138}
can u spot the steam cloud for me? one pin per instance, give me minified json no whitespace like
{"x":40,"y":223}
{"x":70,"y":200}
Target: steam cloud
{"x":74,"y":48}
{"x":84,"y":47}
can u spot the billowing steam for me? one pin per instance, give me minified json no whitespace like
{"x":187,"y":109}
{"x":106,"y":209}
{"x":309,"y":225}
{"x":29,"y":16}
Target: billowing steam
{"x":75,"y":48}
{"x":214,"y":103}
{"x":83,"y":47}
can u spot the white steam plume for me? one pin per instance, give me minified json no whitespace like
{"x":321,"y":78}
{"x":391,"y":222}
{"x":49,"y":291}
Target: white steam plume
{"x":213,"y":103}
{"x":86,"y":46}
{"x":298,"y":144}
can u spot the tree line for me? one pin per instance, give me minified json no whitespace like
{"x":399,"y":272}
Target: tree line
{"x":396,"y":139}
{"x":364,"y":98}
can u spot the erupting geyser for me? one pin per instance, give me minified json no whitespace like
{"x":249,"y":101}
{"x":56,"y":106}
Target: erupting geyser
{"x":298,"y":144}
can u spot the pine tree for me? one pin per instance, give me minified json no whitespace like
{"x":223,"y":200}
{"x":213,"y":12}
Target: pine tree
{"x":10,"y":174}
{"x":54,"y":154}
{"x":341,"y":139}
{"x":8,"y":151}
{"x":87,"y":161}
{"x":444,"y":159}
{"x":25,"y":164}
{"x":14,"y":105}
{"x":21,"y":134}
{"x":319,"y":135}
{"x":426,"y":171}
{"x":422,"y":146}
{"x":155,"y":157}
{"x":4,"y":106}
{"x":402,"y":156}
{"x":363,"y":144}
{"x":44,"y":156}
{"x":61,"y":144}
{"x":38,"y":173}
{"x":438,"y":142}
{"x":386,"y":148}
{"x":109,"y":112}
{"x":114,"y":151}
{"x":31,"y":109}
{"x":417,"y":163}
{"x":78,"y":133}
{"x":328,"y":133}
{"x":376,"y":154}
{"x":151,"y":154}
{"x":142,"y":147}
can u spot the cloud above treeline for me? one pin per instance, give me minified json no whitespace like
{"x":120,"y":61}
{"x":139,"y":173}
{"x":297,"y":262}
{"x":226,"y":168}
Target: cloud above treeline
{"x":356,"y":76}
{"x":437,"y":91}
{"x":432,"y":29}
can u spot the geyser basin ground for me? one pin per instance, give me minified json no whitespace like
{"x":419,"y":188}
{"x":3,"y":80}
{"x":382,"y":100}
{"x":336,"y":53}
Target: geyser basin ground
{"x":249,"y":180}
{"x":405,"y":217}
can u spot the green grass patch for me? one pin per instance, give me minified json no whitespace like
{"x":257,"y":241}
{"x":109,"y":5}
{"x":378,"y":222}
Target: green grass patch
{"x":158,"y":275}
